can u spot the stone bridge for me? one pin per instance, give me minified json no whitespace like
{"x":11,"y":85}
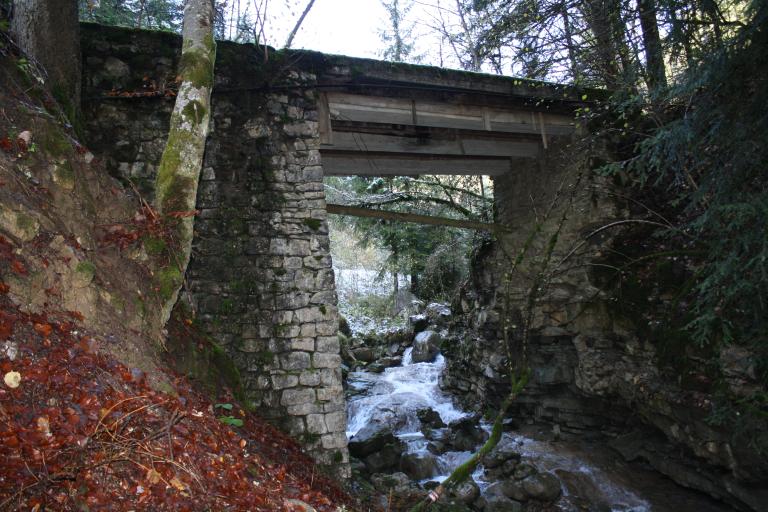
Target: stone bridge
{"x":261,"y":278}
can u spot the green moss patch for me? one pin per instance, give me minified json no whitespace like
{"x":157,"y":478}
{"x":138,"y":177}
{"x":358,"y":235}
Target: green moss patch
{"x":194,"y":353}
{"x":313,"y":223}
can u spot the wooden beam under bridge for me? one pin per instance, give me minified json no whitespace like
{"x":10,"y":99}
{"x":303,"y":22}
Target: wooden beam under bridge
{"x":372,"y":213}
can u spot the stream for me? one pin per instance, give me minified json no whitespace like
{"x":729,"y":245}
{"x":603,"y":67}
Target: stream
{"x":591,"y":476}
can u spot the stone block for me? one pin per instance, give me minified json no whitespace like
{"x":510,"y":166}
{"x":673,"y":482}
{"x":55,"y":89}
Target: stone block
{"x":308,"y":330}
{"x":329,"y":407}
{"x":336,"y":421}
{"x":307,"y":344}
{"x":309,"y":378}
{"x":328,"y":344}
{"x":284,"y":381}
{"x":330,"y":394}
{"x":327,"y":328}
{"x":316,"y":424}
{"x":309,"y":314}
{"x":294,"y":300}
{"x":295,"y":361}
{"x":297,"y":396}
{"x":330,"y":376}
{"x":294,"y":425}
{"x":304,"y":409}
{"x":324,"y":297}
{"x":334,"y":440}
{"x":283,"y":247}
{"x":326,"y":360}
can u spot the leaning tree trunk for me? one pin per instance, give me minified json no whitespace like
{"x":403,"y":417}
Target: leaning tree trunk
{"x":48,"y":31}
{"x":179,"y":171}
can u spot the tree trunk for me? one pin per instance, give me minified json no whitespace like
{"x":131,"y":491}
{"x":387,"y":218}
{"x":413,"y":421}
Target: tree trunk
{"x":598,"y":19}
{"x":654,"y":58}
{"x":568,"y":30}
{"x":296,"y":27}
{"x":179,"y":171}
{"x":48,"y":31}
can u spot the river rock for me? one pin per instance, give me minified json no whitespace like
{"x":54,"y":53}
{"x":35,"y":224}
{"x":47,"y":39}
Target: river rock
{"x":583,"y":491}
{"x":500,"y":454}
{"x":438,"y":314}
{"x":375,"y":367}
{"x":426,"y":346}
{"x":494,"y":500}
{"x":523,"y":471}
{"x":437,"y":447}
{"x":466,"y":434}
{"x":364,"y":354}
{"x":466,"y":492}
{"x":418,"y":322}
{"x":387,"y":458}
{"x":419,"y":466}
{"x":430,"y":418}
{"x":371,"y":438}
{"x":389,"y":362}
{"x":542,"y":487}
{"x":397,"y":482}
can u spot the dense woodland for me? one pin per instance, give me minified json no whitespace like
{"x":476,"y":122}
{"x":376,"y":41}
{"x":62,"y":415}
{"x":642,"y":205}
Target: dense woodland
{"x":683,"y":123}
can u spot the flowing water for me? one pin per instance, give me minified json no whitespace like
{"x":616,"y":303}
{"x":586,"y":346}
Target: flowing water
{"x":592,"y":477}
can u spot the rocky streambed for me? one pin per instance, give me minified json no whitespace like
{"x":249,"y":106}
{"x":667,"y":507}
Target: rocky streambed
{"x":407,"y":435}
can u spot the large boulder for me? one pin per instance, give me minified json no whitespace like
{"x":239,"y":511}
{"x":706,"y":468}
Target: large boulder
{"x":466,"y":434}
{"x":466,"y":492}
{"x":430,"y":418}
{"x":426,"y":346}
{"x":396,"y":482}
{"x":418,"y":322}
{"x":500,"y":454}
{"x":494,"y":500}
{"x":389,"y":362}
{"x":538,"y":486}
{"x":419,"y":466}
{"x":385,"y":459}
{"x":438,"y":314}
{"x":364,"y":354}
{"x":371,"y":438}
{"x":542,"y":487}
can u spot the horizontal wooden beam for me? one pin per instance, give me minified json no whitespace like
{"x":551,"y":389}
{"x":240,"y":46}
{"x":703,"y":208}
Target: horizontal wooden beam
{"x":372,"y":213}
{"x":339,"y":163}
{"x":455,"y":146}
{"x":365,"y":109}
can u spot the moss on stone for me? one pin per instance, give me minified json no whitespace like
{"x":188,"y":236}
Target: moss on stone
{"x":27,"y":225}
{"x":86,"y":268}
{"x":196,"y":354}
{"x":154,"y":246}
{"x":227,"y":306}
{"x":313,"y":223}
{"x":169,"y":280}
{"x":64,"y":175}
{"x":54,"y":142}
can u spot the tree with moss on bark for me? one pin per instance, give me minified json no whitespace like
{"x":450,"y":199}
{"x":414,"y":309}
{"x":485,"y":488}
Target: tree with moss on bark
{"x":179,"y":170}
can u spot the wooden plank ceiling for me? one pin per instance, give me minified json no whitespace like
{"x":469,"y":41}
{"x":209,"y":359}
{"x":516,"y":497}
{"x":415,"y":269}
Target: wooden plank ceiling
{"x":395,"y":136}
